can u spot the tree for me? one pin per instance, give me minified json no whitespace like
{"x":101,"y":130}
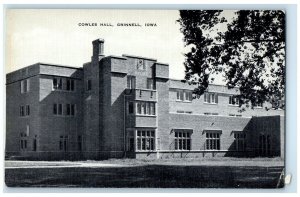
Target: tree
{"x":249,"y":53}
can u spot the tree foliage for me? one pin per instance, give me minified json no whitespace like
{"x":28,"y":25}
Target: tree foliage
{"x":249,"y":53}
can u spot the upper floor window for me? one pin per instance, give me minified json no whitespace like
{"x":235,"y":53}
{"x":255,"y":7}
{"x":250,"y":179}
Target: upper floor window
{"x":25,"y":86}
{"x":258,"y":105}
{"x":130,"y":108}
{"x":210,"y":98}
{"x":233,"y":100}
{"x":70,"y":109}
{"x":89,"y":85}
{"x":184,"y":95}
{"x":57,"y":109}
{"x":151,"y":84}
{"x":57,"y":84}
{"x":70,"y":85}
{"x":141,"y":65}
{"x":130,"y":82}
{"x":145,"y":108}
{"x":279,"y":104}
{"x":182,"y":140}
{"x":25,"y":110}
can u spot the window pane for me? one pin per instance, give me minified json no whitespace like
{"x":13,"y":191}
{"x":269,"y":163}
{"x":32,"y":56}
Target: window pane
{"x":72,"y":85}
{"x":143,"y":144}
{"x":130,"y":107}
{"x":72,"y":109}
{"x":54,"y":109}
{"x":60,"y":109}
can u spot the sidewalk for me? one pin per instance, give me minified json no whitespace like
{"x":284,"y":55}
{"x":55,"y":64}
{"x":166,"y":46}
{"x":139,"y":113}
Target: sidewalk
{"x":262,"y":162}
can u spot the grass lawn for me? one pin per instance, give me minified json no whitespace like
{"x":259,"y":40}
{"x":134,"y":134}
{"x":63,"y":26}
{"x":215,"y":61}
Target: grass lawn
{"x":181,"y":173}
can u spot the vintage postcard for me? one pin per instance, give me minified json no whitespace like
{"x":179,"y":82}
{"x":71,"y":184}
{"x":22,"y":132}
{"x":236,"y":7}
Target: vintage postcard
{"x":145,"y":98}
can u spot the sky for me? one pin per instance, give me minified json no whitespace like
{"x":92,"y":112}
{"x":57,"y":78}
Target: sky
{"x":55,"y":36}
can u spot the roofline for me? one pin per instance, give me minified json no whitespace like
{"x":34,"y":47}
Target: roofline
{"x":46,"y":64}
{"x":59,"y":65}
{"x":208,"y":84}
{"x":139,"y":57}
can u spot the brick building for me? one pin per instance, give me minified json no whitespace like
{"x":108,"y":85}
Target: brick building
{"x":129,"y":107}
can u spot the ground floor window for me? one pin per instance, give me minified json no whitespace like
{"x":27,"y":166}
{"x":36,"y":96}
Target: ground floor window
{"x":34,"y":146}
{"x":23,"y":144}
{"x":145,"y":140}
{"x":213,"y":140}
{"x":182,"y":140}
{"x":239,"y":141}
{"x":265,"y":145}
{"x":63,"y":143}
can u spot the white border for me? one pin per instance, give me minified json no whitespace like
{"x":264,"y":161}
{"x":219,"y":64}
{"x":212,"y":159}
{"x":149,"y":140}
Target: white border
{"x":165,"y":4}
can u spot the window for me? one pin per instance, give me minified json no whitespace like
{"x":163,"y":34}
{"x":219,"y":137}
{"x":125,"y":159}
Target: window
{"x":22,"y":111}
{"x":25,"y":86}
{"x":70,"y":109}
{"x":211,"y":98}
{"x":130,"y":82}
{"x":188,"y":96}
{"x":27,"y":113}
{"x":79,"y":141}
{"x":179,"y":95}
{"x":145,"y":140}
{"x":258,"y":105}
{"x":34,"y":145}
{"x":145,"y":108}
{"x":89,"y":85}
{"x":151,"y":84}
{"x":239,"y":141}
{"x":25,"y":110}
{"x":182,"y":140}
{"x":184,"y":95}
{"x":57,"y":109}
{"x":233,"y":100}
{"x":264,"y":145}
{"x":63,"y":143}
{"x":57,"y":84}
{"x":212,"y":140}
{"x":279,"y":104}
{"x":141,"y":65}
{"x":130,"y":108}
{"x":23,"y":140}
{"x":23,"y":144}
{"x":70,"y":84}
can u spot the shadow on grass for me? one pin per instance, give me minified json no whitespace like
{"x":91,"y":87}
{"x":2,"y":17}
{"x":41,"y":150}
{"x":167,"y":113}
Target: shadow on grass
{"x":151,"y":176}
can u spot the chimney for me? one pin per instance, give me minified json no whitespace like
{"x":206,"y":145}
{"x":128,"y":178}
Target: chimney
{"x":98,"y":49}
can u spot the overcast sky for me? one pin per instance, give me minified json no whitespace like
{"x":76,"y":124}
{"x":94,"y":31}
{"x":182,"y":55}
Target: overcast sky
{"x":54,"y":36}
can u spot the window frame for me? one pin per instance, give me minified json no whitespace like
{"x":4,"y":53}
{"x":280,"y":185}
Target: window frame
{"x":211,"y":98}
{"x":131,"y":82}
{"x":239,"y":139}
{"x":213,"y":140}
{"x":182,"y":140}
{"x":233,"y":100}
{"x":145,"y":108}
{"x":58,"y":85}
{"x":88,"y":85}
{"x":143,"y":140}
{"x":57,"y":106}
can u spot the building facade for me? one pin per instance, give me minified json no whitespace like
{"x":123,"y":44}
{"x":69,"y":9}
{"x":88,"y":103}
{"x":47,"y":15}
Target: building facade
{"x":127,"y":106}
